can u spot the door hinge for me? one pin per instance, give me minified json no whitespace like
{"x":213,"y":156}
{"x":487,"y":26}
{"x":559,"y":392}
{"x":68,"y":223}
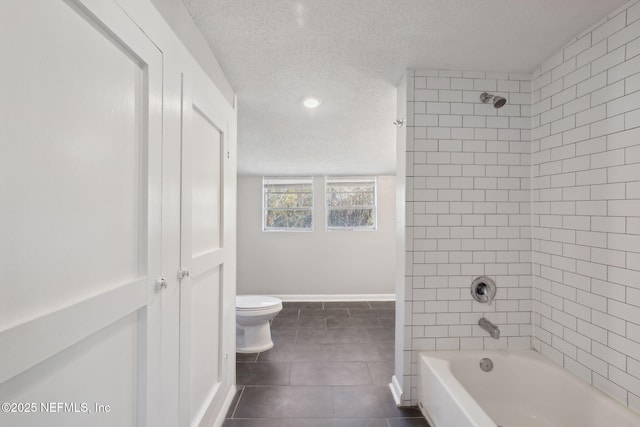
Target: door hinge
{"x":182,"y":273}
{"x":161,"y":283}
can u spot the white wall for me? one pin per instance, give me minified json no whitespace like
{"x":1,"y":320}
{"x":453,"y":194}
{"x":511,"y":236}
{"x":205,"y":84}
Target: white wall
{"x":329,"y":263}
{"x":586,"y":192}
{"x":176,"y":15}
{"x":467,"y":213}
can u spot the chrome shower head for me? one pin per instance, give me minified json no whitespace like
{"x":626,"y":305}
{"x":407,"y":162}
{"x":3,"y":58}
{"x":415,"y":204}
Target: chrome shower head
{"x":498,"y":101}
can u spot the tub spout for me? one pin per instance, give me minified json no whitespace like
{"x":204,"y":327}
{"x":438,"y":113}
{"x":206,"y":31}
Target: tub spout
{"x":493,"y":330}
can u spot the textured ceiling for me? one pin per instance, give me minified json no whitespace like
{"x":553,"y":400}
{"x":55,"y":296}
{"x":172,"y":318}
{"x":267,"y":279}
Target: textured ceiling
{"x":351,"y":54}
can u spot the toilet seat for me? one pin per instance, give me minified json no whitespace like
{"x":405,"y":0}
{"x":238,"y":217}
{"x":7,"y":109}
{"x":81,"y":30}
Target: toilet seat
{"x":256,"y":302}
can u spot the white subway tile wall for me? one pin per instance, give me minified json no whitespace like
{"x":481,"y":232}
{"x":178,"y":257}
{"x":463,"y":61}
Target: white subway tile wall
{"x":586,"y":206}
{"x":543,"y":195}
{"x":468,"y":207}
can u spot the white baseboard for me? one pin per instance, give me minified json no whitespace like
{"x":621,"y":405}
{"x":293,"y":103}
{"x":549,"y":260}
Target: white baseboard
{"x":339,"y":297}
{"x":427,"y":417}
{"x":225,"y":407}
{"x":396,"y":391}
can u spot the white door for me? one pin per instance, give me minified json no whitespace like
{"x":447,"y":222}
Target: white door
{"x":207,"y":252}
{"x":80,"y":140}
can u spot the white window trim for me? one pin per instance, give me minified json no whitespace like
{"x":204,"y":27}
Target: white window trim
{"x":311,"y":208}
{"x":374,"y":227}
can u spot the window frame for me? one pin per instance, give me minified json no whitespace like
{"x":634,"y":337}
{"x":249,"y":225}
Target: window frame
{"x":374,"y":207}
{"x":302,"y":180}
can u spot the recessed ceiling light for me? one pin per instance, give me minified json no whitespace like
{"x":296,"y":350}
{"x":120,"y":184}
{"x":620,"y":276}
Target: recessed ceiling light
{"x":310,"y":102}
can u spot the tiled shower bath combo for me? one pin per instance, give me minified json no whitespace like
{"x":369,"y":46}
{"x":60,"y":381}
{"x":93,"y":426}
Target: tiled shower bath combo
{"x":543,"y":195}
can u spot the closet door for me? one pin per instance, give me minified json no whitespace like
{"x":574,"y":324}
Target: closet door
{"x":207,"y":294}
{"x":80,"y":140}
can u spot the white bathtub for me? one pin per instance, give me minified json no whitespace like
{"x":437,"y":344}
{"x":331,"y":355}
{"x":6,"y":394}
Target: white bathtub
{"x":524,"y":389}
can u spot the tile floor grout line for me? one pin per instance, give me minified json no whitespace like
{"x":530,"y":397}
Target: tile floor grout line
{"x":370,"y":374}
{"x":238,"y":402}
{"x":290,"y":373}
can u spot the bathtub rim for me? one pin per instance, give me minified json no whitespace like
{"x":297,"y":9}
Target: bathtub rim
{"x":441,"y":369}
{"x":447,"y":355}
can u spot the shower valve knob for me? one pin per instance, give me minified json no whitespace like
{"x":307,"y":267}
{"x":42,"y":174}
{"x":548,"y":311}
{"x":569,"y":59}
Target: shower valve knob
{"x":483,"y":289}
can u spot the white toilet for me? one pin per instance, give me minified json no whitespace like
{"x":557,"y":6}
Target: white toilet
{"x":253,"y":314}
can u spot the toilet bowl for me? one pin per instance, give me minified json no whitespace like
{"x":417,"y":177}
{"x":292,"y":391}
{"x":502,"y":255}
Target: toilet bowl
{"x":253,"y":314}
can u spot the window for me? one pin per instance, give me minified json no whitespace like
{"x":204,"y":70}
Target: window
{"x":287,"y":204}
{"x":351,"y":203}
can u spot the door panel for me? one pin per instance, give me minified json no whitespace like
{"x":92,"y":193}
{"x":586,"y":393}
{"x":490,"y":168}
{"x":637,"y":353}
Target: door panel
{"x":202,"y":328}
{"x":205,"y":336}
{"x":112,"y":349}
{"x":81,"y":244}
{"x":77,"y":130}
{"x":207,"y":144}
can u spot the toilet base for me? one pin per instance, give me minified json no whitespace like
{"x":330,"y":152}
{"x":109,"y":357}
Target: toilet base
{"x":255,"y":349}
{"x":254,"y":338}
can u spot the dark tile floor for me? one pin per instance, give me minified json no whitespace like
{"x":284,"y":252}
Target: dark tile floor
{"x":330,"y":367}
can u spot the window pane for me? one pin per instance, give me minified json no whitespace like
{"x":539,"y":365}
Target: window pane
{"x":351,"y":218}
{"x":288,"y":200}
{"x":350,"y":185}
{"x":287,"y":203}
{"x":297,"y":219}
{"x":351,"y":203}
{"x":350,"y":198}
